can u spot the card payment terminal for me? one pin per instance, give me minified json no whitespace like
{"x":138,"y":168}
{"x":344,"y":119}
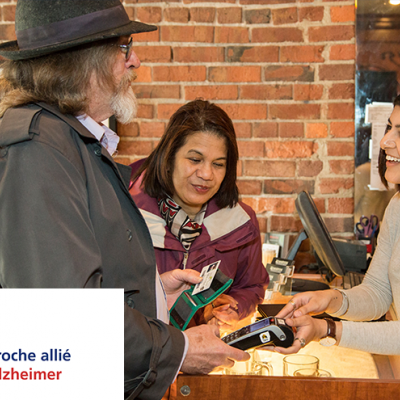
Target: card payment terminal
{"x":188,"y":303}
{"x":268,"y":331}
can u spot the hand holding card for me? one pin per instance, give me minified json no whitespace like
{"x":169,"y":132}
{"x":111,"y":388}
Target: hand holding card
{"x":208,"y":273}
{"x":214,"y":283}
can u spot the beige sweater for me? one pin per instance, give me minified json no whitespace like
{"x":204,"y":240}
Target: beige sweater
{"x":381,"y":287}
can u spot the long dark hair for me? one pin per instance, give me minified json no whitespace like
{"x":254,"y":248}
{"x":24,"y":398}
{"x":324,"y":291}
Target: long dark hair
{"x":382,"y":154}
{"x":195,"y":116}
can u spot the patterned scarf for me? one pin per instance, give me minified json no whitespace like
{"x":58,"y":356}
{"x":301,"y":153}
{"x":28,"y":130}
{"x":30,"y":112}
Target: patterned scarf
{"x":179,"y":223}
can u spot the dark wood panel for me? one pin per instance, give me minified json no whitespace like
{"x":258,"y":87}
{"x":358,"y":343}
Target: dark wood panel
{"x":220,"y":387}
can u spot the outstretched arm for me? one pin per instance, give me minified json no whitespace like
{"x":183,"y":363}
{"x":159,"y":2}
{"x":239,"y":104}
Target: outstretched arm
{"x":312,"y":303}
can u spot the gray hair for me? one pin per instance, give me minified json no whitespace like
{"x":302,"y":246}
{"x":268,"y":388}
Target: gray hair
{"x":61,"y":79}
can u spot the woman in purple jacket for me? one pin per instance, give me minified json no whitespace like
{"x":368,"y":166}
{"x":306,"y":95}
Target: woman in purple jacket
{"x":186,"y":190}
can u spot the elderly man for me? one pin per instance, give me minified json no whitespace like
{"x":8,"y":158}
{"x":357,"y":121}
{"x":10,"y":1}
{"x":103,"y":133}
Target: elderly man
{"x":66,"y":216}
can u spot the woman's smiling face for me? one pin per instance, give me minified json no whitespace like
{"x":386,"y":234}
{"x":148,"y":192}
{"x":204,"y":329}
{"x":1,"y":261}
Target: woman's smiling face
{"x":199,"y":169}
{"x":390,"y":144}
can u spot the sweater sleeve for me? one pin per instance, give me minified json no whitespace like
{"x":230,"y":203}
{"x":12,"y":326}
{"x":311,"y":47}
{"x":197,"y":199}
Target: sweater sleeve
{"x":372,"y":299}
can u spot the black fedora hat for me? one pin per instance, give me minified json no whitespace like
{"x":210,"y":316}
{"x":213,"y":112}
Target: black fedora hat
{"x":46,"y":26}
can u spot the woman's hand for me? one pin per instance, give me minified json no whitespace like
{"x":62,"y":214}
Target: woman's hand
{"x":222,"y":312}
{"x":308,"y":329}
{"x":178,"y":280}
{"x":312,"y":303}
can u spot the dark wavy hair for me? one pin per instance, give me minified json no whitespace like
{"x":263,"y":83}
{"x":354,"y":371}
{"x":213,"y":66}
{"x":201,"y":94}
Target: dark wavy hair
{"x":382,"y":155}
{"x":195,"y":116}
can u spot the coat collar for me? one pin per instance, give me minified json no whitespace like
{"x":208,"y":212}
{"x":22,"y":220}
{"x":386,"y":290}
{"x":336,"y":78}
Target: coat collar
{"x":124,"y":170}
{"x":69,"y":119}
{"x":230,"y":227}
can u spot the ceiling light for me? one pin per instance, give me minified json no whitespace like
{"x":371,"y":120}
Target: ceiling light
{"x":394,"y":2}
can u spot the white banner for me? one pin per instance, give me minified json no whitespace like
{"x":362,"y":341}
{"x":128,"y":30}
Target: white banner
{"x":61,"y":344}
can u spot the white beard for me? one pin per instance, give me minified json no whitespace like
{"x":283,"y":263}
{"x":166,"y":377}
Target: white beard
{"x":124,"y":103}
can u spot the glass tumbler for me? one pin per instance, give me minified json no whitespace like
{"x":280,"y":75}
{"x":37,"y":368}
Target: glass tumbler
{"x":296,"y":362}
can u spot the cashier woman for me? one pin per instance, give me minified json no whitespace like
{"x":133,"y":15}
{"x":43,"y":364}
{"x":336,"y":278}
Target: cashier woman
{"x":380,"y":288}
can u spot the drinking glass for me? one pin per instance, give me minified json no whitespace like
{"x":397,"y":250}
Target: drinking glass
{"x":256,"y":365}
{"x":242,"y":367}
{"x":262,"y":362}
{"x":295,"y":362}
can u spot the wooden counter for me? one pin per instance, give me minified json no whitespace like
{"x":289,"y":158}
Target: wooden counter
{"x":373,"y":377}
{"x":224,"y":387}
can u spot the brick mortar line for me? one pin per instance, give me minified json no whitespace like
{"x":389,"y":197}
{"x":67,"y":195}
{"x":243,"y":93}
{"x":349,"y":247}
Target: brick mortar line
{"x":220,"y":5}
{"x":299,"y":160}
{"x":263,"y":120}
{"x":305,"y":178}
{"x":304,"y":23}
{"x":352,"y":40}
{"x":244,"y":44}
{"x":263,"y":64}
{"x":296,"y":139}
{"x":244,"y":83}
{"x":229,"y":44}
{"x":292,"y":139}
{"x":164,"y":101}
{"x":213,"y":83}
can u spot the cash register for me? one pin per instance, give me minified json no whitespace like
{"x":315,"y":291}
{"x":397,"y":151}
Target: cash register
{"x":326,"y":249}
{"x":326,"y":253}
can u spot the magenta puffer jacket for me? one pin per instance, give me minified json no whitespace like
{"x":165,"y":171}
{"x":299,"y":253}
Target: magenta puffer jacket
{"x":230,"y":234}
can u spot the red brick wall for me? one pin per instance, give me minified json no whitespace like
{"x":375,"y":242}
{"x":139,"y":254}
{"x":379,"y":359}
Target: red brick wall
{"x":284,"y":72}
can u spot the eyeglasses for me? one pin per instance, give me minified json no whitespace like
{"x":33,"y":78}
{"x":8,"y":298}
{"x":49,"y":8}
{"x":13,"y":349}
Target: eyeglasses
{"x":127,"y":49}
